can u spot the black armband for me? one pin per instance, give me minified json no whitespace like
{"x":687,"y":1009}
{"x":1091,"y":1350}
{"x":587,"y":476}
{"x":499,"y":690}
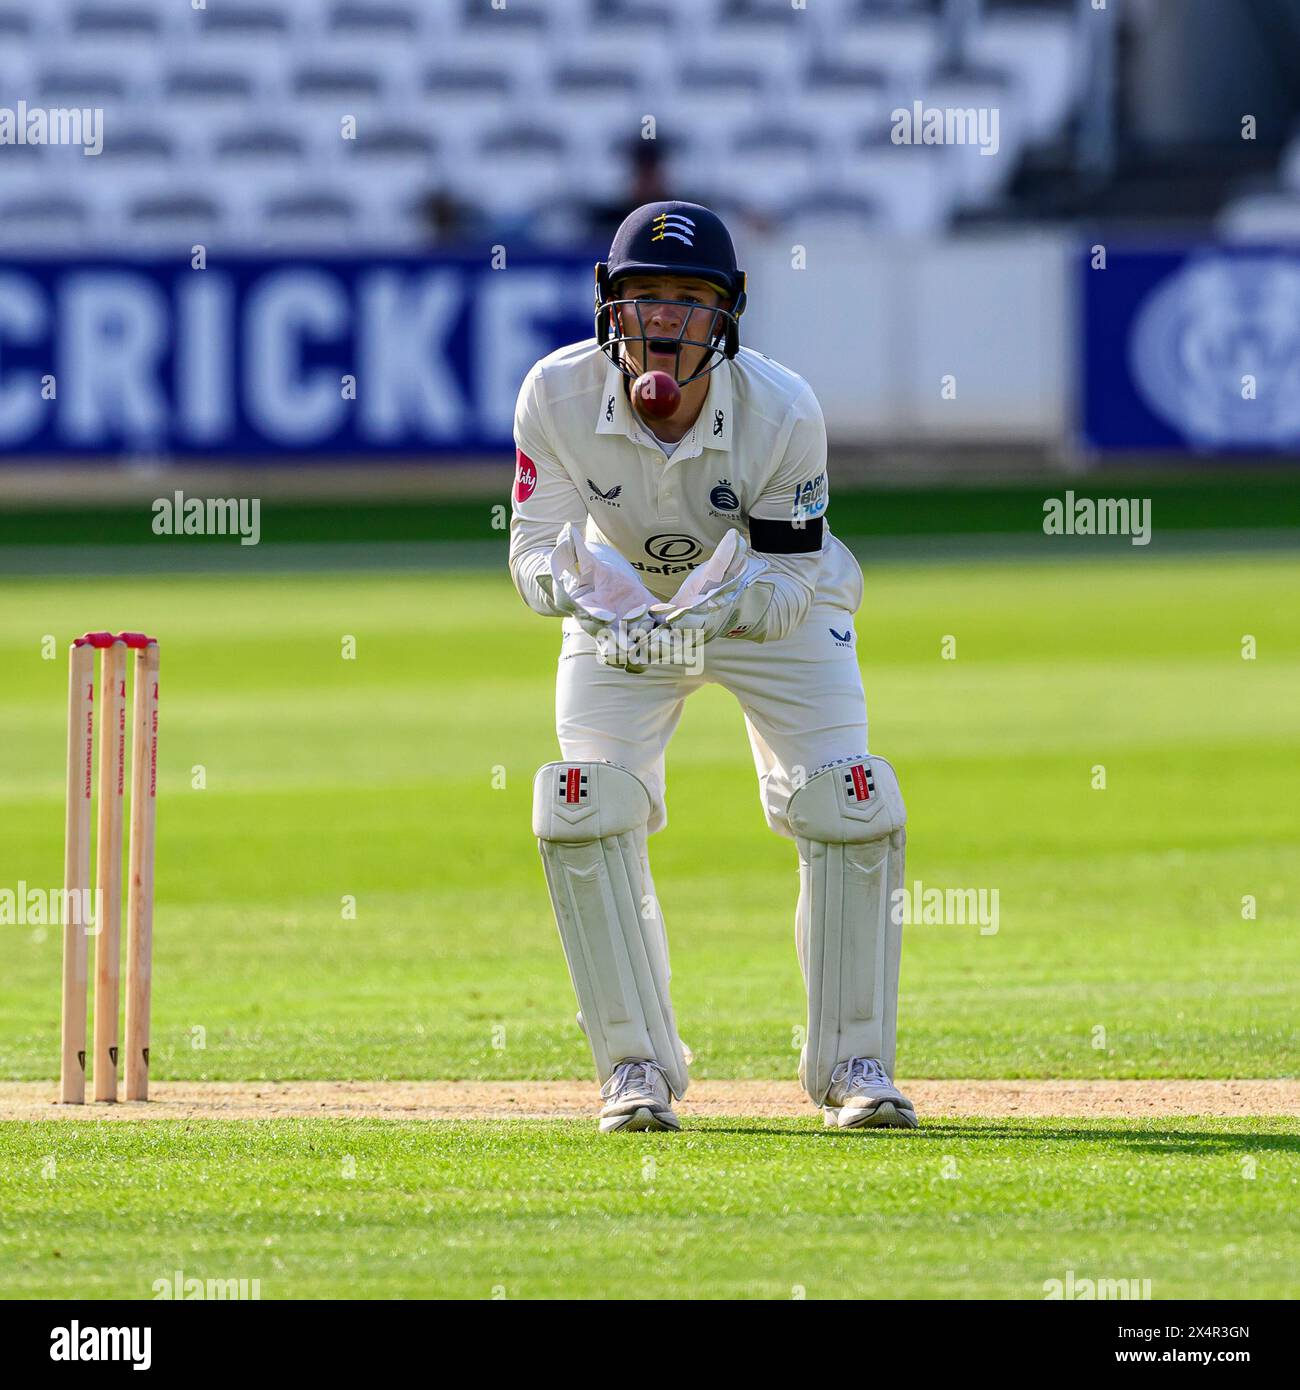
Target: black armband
{"x":784,"y":537}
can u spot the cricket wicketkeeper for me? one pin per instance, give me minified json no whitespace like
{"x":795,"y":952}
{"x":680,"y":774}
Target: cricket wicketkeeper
{"x":669,"y":506}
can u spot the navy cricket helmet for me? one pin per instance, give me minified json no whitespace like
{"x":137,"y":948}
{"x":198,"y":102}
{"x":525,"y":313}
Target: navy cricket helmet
{"x":670,"y":238}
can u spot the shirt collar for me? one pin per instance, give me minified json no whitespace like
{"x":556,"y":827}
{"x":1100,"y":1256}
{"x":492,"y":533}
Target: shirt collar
{"x":613,"y":413}
{"x":714,"y":424}
{"x":712,"y":430}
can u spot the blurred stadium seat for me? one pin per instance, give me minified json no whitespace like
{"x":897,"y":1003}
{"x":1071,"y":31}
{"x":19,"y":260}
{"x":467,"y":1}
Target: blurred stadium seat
{"x":1262,"y":217}
{"x":770,"y":109}
{"x":1040,"y":50}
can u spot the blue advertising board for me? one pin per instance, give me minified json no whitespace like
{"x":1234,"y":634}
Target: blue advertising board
{"x":263,"y":358}
{"x":1193,"y":350}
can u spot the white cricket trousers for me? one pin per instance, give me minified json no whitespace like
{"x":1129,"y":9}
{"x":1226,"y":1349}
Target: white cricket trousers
{"x":801,"y":696}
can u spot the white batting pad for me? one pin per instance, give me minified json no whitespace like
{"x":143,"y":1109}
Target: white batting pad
{"x":848,"y":821}
{"x":590,"y":822}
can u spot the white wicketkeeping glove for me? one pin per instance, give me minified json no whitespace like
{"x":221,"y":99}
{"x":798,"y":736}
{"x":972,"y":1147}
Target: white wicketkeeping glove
{"x":599,"y":589}
{"x":720,"y":596}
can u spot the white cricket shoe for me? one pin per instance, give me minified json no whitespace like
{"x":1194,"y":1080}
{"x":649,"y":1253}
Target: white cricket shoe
{"x":637,"y":1097}
{"x":862,"y":1095}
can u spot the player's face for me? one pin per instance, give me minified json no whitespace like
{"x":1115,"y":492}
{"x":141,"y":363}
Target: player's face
{"x":692,"y":303}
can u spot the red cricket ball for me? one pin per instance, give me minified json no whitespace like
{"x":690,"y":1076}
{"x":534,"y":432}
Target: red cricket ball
{"x":656,"y":395}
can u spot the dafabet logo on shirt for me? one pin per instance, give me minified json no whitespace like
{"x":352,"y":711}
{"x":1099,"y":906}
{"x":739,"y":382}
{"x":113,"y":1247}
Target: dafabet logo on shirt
{"x":678,"y":552}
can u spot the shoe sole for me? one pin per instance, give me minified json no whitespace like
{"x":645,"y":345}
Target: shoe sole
{"x":641,"y":1119}
{"x":886,"y":1115}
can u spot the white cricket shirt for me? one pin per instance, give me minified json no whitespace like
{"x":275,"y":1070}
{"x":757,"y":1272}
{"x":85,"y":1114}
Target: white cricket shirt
{"x":757,"y":452}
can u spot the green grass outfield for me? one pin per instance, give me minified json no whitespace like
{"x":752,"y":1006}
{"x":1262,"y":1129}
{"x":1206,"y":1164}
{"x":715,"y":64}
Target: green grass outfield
{"x":1122,"y":950}
{"x":373,"y":779}
{"x":728,"y":1209}
{"x":1210,"y":500}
